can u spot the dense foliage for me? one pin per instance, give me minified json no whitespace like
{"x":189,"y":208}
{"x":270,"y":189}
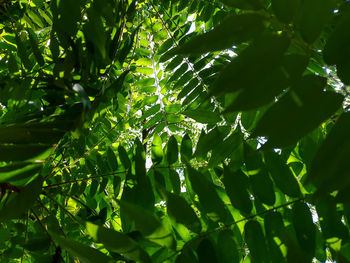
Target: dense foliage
{"x":174,"y":131}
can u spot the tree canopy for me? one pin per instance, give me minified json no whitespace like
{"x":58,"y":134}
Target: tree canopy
{"x":174,"y":131}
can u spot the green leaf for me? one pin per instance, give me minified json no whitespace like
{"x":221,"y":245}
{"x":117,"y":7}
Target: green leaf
{"x":112,"y":159}
{"x":206,"y":252}
{"x":143,"y":62}
{"x":281,"y":174}
{"x":226,"y":247}
{"x":186,"y":256}
{"x":183,"y":79}
{"x":255,"y":239}
{"x":124,"y":158}
{"x":154,"y":120}
{"x":70,"y":12}
{"x":86,"y":254}
{"x":208,"y":197}
{"x":234,"y":30}
{"x":140,"y":159}
{"x":22,"y":201}
{"x":39,"y":132}
{"x":157,"y":150}
{"x":275,"y":252}
{"x":37,"y":244}
{"x":153,"y":110}
{"x":93,"y":187}
{"x":174,"y":63}
{"x":314,"y":15}
{"x":175,"y":181}
{"x":165,"y":46}
{"x":208,"y":141}
{"x":333,"y":52}
{"x":178,"y":73}
{"x":329,"y":170}
{"x":34,"y":44}
{"x":12,"y":63}
{"x":202,"y":116}
{"x":33,"y":16}
{"x":343,"y":67}
{"x":221,"y":151}
{"x":295,"y":65}
{"x":145,"y":82}
{"x":304,"y":228}
{"x":262,"y":187}
{"x":260,"y":59}
{"x":116,"y":185}
{"x":22,"y":52}
{"x":243,"y":4}
{"x":173,"y":108}
{"x":274,"y":226}
{"x":54,"y":47}
{"x":260,"y":181}
{"x":172,"y":150}
{"x":149,"y":225}
{"x":16,"y":172}
{"x":188,"y":88}
{"x":297,"y":113}
{"x":117,"y":242}
{"x":144,"y":70}
{"x":329,"y":218}
{"x":186,"y":149}
{"x":259,"y":95}
{"x":181,"y":211}
{"x":285,"y":10}
{"x":236,"y":188}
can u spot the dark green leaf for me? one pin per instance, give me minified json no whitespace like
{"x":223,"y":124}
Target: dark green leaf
{"x":16,"y":172}
{"x":226,"y":247}
{"x":281,"y":174}
{"x":329,"y":218}
{"x":314,"y":15}
{"x":206,"y":252}
{"x":236,"y":188}
{"x":208,"y":197}
{"x":285,"y":10}
{"x":149,"y":225}
{"x":186,"y":149}
{"x":117,"y":242}
{"x":259,"y":59}
{"x":274,"y":226}
{"x":333,"y":52}
{"x":34,"y":44}
{"x":172,"y":150}
{"x":262,"y":187}
{"x":22,"y":201}
{"x":329,"y":167}
{"x":181,"y":211}
{"x":22,"y":52}
{"x":202,"y":116}
{"x":298,"y":112}
{"x":304,"y":228}
{"x":255,"y":239}
{"x":85,"y":253}
{"x":70,"y":12}
{"x":124,"y":158}
{"x":232,"y":31}
{"x":112,"y":159}
{"x":12,"y":63}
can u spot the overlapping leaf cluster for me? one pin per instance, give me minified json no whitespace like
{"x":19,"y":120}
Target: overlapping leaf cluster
{"x":174,"y":131}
